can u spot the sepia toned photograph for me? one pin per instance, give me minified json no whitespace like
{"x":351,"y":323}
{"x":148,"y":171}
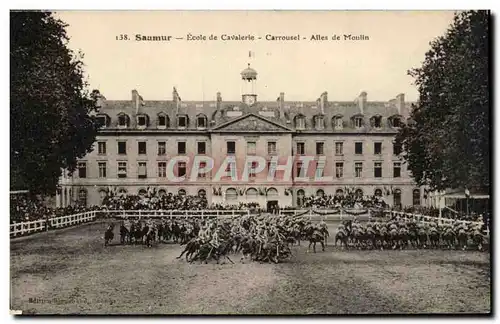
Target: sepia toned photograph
{"x":250,"y":163}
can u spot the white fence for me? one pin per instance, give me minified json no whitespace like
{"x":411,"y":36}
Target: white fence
{"x":174,"y":213}
{"x":429,"y":219}
{"x":20,"y":229}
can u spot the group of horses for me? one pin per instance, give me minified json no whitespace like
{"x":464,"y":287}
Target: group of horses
{"x":403,"y":235}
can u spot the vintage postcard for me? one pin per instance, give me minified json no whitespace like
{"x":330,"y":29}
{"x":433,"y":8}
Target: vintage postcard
{"x":250,"y":162}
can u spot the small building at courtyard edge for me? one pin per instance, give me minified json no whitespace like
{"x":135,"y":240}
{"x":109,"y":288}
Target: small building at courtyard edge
{"x":138,"y":138}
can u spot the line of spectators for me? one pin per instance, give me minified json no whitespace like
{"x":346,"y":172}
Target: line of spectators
{"x":350,"y":201}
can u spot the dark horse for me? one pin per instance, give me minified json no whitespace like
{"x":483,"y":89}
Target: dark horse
{"x":315,"y":236}
{"x":109,"y":235}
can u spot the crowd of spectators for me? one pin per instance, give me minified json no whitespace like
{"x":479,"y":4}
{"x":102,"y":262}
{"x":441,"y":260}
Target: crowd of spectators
{"x":350,"y":201}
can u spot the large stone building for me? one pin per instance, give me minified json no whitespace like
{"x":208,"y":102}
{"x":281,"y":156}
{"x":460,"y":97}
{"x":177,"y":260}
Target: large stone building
{"x":138,"y":139}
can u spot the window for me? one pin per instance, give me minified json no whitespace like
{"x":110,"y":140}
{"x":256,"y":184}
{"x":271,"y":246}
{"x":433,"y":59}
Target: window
{"x":319,"y":123}
{"x":320,"y":167}
{"x":252,"y":193}
{"x":162,"y":148}
{"x":300,"y":197}
{"x":102,"y":121}
{"x":142,"y":121}
{"x":378,"y":192}
{"x":201,"y":122}
{"x":339,"y":170}
{"x":358,"y":169}
{"x":397,"y":198}
{"x":396,"y":149}
{"x":102,"y":169}
{"x":202,"y":147}
{"x":122,"y":191}
{"x":162,"y":121}
{"x":358,"y":148}
{"x":82,"y":197}
{"x":339,"y":148}
{"x":272,"y":192}
{"x":338,"y":123}
{"x":162,"y":169}
{"x":251,"y":148}
{"x":320,"y":148}
{"x":377,"y":170}
{"x":182,"y":121}
{"x":162,"y":192}
{"x":416,"y":197}
{"x":320,"y":193}
{"x":377,"y":148}
{"x":231,"y":167}
{"x":397,"y":170}
{"x":181,"y":147}
{"x":122,"y":147}
{"x":377,"y":121}
{"x":271,"y":148}
{"x":301,"y":148}
{"x":231,"y":194}
{"x":122,"y":120}
{"x":299,"y":168}
{"x":181,"y":192}
{"x":142,"y":193}
{"x":203,"y":165}
{"x":142,"y":170}
{"x":339,"y":193}
{"x":82,"y":169}
{"x":202,"y":193}
{"x":358,"y":193}
{"x":181,"y":169}
{"x":396,"y":122}
{"x":251,"y":171}
{"x":141,"y":147}
{"x":300,"y":122}
{"x":101,"y":148}
{"x":231,"y":147}
{"x":122,"y":169}
{"x":358,"y":122}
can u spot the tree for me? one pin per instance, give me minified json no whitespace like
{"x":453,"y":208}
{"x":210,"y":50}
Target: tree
{"x":50,"y":108}
{"x":446,"y":142}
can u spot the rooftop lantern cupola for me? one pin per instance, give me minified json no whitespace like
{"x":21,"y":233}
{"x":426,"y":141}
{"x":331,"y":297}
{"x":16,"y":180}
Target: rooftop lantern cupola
{"x":249,"y":79}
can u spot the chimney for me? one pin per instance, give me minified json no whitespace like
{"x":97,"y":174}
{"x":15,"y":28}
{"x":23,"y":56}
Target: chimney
{"x":135,"y":99}
{"x":324,"y":100}
{"x":362,"y":102}
{"x":400,"y":104}
{"x":281,"y":104}
{"x":219,"y":100}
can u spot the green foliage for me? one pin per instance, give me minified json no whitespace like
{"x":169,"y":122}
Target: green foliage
{"x":50,"y":122}
{"x":447,"y":145}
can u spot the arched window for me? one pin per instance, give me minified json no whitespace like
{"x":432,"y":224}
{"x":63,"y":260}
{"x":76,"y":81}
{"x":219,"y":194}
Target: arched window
{"x":300,"y":122}
{"x":320,"y":193}
{"x":82,"y":197}
{"x":358,"y":193}
{"x":142,"y":193}
{"x":338,"y":122}
{"x":142,"y":120}
{"x":123,"y":120}
{"x":272,"y":193}
{"x":162,"y":192}
{"x":201,"y":121}
{"x":396,"y":121}
{"x":231,"y":194}
{"x":319,"y":122}
{"x":376,"y":121}
{"x":102,"y":195}
{"x":252,"y":193}
{"x":397,"y":198}
{"x":416,"y":197}
{"x":339,"y":193}
{"x":122,"y":192}
{"x":163,"y":121}
{"x":378,"y":192}
{"x":181,"y":192}
{"x":103,"y":120}
{"x":300,"y":197}
{"x":202,"y":193}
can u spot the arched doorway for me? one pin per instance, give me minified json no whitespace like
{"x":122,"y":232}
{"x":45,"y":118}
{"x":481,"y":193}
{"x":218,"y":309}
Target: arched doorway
{"x":252,"y":194}
{"x":300,"y":197}
{"x":142,"y":193}
{"x":202,"y":193}
{"x":358,"y":193}
{"x":397,"y":198}
{"x":378,"y":192}
{"x":102,"y":195}
{"x":162,"y":192}
{"x":231,"y":195}
{"x":272,"y":200}
{"x":320,"y":193}
{"x":416,"y":197}
{"x":339,"y":193}
{"x":181,"y":192}
{"x":82,"y":197}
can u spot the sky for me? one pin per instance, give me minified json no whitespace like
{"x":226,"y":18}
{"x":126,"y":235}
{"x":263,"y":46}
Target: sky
{"x":301,"y":69}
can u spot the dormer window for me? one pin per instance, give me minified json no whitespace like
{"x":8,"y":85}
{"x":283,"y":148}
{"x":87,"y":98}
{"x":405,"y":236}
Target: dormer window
{"x":300,"y":122}
{"x":102,"y":120}
{"x":377,"y":121}
{"x":201,"y":121}
{"x":358,"y":122}
{"x":182,"y":121}
{"x":142,"y":121}
{"x":123,"y":121}
{"x":319,"y":122}
{"x":338,"y":123}
{"x":162,"y":121}
{"x":396,"y":122}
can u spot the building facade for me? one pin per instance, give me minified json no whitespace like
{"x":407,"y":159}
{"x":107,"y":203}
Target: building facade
{"x":349,"y":145}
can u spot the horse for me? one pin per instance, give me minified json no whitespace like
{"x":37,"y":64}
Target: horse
{"x":342,"y":236}
{"x":109,"y":235}
{"x":315,"y":236}
{"x":125,"y":232}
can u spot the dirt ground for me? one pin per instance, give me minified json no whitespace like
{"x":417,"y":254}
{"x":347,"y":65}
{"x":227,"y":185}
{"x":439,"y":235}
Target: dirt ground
{"x":70,"y":271}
